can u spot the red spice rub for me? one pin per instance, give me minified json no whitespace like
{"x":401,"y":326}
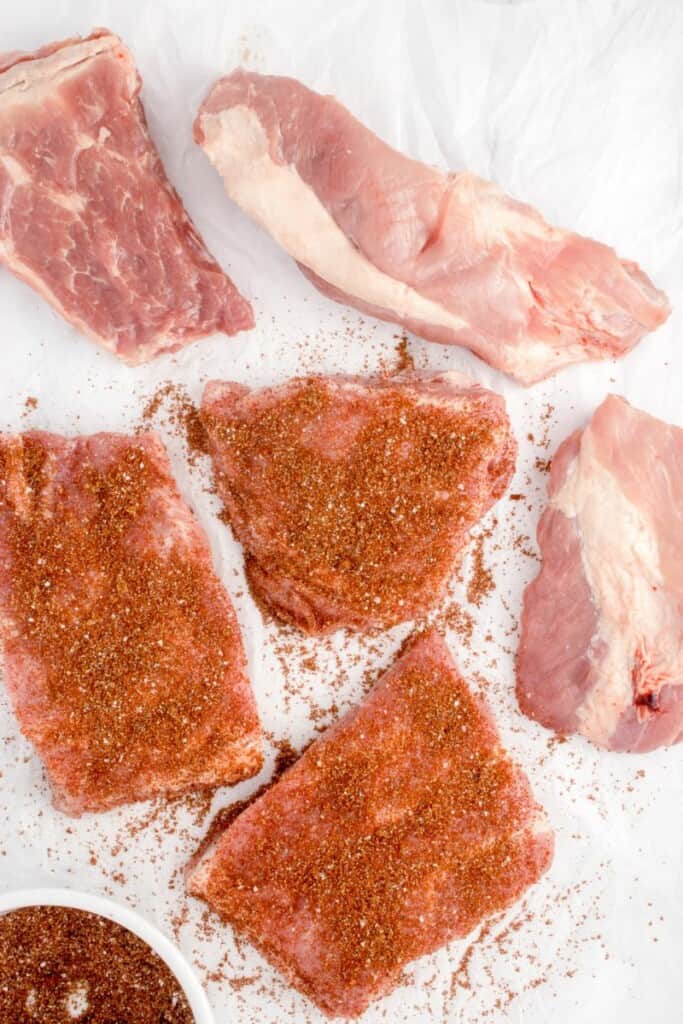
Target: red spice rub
{"x":353,"y":496}
{"x":400,"y":829}
{"x":122,"y":651}
{"x":59,"y":965}
{"x":181,"y":414}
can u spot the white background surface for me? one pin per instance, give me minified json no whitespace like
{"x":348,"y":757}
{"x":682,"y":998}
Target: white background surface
{"x":574,"y":106}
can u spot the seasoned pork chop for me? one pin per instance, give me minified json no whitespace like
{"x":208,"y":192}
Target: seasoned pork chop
{"x":400,"y":829}
{"x":602,"y":629}
{"x":353,"y":496}
{"x":87,"y":215}
{"x":449,"y":256}
{"x":123,"y":657}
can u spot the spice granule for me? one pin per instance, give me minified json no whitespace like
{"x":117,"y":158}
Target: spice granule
{"x":59,"y":964}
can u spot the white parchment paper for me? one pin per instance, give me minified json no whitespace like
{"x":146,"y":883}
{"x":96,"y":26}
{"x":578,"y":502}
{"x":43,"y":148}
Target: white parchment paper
{"x":574,"y":106}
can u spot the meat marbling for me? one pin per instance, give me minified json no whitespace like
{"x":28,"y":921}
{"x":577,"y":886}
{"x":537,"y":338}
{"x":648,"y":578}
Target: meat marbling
{"x":399,"y":830}
{"x":88,"y":217}
{"x":353,"y":496}
{"x":123,"y":656}
{"x":449,"y":256}
{"x":601,"y":651}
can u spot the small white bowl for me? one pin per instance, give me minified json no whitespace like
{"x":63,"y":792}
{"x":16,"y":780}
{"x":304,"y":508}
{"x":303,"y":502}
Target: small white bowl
{"x":122,"y":915}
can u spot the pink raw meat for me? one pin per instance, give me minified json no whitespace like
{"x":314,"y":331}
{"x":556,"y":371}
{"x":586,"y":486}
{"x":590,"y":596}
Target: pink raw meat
{"x":123,"y":656}
{"x":354,"y":496}
{"x":602,"y":629}
{"x":400,"y":829}
{"x":449,"y":256}
{"x":87,"y":215}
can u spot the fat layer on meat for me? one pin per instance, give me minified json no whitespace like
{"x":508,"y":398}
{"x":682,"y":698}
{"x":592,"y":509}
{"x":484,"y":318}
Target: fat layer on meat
{"x":601,"y":650}
{"x":449,"y":256}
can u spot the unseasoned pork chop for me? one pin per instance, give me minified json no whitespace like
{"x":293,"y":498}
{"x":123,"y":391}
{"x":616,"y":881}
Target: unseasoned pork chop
{"x":449,"y":256}
{"x":400,"y":829}
{"x":353,"y":496}
{"x":602,"y":629}
{"x":123,"y":656}
{"x":87,"y":215}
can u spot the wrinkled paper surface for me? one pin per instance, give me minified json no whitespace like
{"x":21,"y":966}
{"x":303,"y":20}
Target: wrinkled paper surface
{"x":574,"y":106}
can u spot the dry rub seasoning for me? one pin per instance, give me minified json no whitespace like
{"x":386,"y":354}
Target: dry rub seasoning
{"x":402,"y":828}
{"x":59,"y":965}
{"x":172,"y":405}
{"x":353,"y":499}
{"x":139,"y":663}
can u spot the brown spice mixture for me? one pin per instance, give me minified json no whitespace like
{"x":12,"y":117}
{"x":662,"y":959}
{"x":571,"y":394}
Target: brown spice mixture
{"x":453,"y":616}
{"x":481,"y":582}
{"x":405,"y":360}
{"x":131,"y":644}
{"x":378,"y":526}
{"x":183,"y":416}
{"x":57,"y":961}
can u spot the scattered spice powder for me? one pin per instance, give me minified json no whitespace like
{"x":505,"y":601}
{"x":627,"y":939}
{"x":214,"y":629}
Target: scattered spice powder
{"x":405,"y":359}
{"x":237,"y":984}
{"x":59,"y":965}
{"x":460,"y":977}
{"x":481,"y":582}
{"x":453,"y":616}
{"x":182,"y":415}
{"x":287,"y":755}
{"x":163,"y":818}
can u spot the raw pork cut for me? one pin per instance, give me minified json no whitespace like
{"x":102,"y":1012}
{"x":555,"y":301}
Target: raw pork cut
{"x":352,"y":495}
{"x":449,"y":256}
{"x":400,"y":829}
{"x":87,"y":215}
{"x":123,"y":657}
{"x":602,"y":629}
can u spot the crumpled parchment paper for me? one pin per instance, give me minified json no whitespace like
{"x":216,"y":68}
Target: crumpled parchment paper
{"x":574,"y":106}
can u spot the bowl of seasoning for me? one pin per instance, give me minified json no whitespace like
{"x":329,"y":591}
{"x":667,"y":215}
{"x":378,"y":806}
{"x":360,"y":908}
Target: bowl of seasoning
{"x":70,"y":956}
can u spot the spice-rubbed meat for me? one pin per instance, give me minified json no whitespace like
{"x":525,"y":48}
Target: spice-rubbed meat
{"x":87,"y":215}
{"x":450,"y":256}
{"x":602,"y":630}
{"x":123,"y":657}
{"x":400,"y":829}
{"x":353,"y":496}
